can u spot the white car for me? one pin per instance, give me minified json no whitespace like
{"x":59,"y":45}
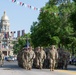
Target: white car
{"x":11,"y":58}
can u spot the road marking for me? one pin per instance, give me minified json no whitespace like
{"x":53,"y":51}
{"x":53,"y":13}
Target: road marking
{"x":68,"y":71}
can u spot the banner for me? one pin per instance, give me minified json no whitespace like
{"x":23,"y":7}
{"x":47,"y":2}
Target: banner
{"x":18,"y":33}
{"x":32,"y":7}
{"x":23,"y":32}
{"x":25,"y":5}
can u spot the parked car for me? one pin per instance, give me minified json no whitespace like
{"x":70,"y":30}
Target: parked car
{"x":73,"y":61}
{"x":15,"y":58}
{"x":10,"y":58}
{"x":6,"y":57}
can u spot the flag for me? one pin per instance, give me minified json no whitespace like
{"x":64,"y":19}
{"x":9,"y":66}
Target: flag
{"x":18,"y":33}
{"x":21,"y":3}
{"x":17,"y":2}
{"x":23,"y":32}
{"x":27,"y":45}
{"x":25,"y":5}
{"x":7,"y":34}
{"x":14,"y":31}
{"x":13,"y":0}
{"x":35,"y":8}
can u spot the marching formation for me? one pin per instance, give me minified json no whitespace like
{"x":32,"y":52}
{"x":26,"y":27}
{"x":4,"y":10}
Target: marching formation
{"x":52,"y":58}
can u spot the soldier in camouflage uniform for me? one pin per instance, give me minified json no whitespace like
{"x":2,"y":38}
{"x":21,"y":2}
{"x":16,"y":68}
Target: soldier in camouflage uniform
{"x":36,"y":61}
{"x":64,"y":58}
{"x":19,"y":58}
{"x":31,"y":57}
{"x":52,"y":56}
{"x":25,"y":58}
{"x":42,"y":56}
{"x":1,"y":59}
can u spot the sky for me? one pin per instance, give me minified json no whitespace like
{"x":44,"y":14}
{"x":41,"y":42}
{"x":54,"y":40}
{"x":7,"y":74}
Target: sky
{"x":21,"y":17}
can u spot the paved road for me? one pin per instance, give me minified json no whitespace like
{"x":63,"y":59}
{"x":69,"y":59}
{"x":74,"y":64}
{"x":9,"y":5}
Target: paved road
{"x":11,"y":68}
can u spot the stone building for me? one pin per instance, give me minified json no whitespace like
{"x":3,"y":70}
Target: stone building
{"x":6,"y":36}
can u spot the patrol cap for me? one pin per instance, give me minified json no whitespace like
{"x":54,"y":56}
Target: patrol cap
{"x":53,"y":46}
{"x":38,"y":47}
{"x":41,"y":47}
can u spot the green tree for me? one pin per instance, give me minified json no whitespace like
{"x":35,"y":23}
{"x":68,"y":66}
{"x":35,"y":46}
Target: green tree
{"x":42,"y":32}
{"x":66,"y":28}
{"x":73,"y":23}
{"x":53,"y":26}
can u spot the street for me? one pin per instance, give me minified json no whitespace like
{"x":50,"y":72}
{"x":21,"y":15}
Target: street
{"x":11,"y":68}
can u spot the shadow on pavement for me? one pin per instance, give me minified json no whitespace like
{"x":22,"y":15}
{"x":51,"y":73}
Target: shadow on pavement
{"x":12,"y":65}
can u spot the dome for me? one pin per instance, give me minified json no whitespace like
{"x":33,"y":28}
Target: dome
{"x":4,"y":17}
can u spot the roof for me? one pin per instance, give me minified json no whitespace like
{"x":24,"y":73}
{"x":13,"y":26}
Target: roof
{"x":4,"y":17}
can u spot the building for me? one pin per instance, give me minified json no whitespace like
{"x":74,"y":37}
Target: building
{"x":6,"y":36}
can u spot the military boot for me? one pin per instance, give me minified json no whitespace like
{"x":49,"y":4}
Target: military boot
{"x":52,"y":68}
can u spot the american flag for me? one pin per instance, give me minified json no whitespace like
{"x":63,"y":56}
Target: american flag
{"x":27,"y":45}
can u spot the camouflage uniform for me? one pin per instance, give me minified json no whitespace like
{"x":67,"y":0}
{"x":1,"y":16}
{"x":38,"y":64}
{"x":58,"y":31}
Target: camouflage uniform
{"x":53,"y":56}
{"x":1,"y":59}
{"x":25,"y":58}
{"x":42,"y":56}
{"x":37,"y":53}
{"x":64,"y":58}
{"x":31,"y":57}
{"x":19,"y":58}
